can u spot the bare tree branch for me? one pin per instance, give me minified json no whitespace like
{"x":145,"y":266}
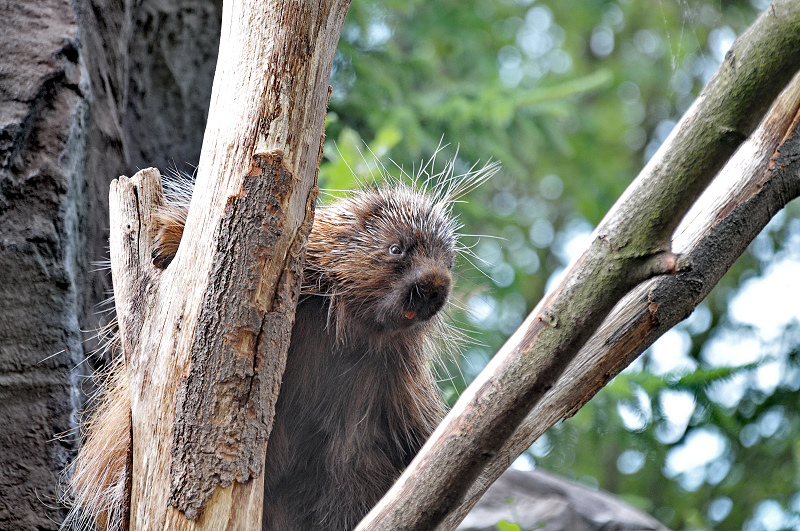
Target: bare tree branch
{"x":755,"y":184}
{"x":637,"y":229}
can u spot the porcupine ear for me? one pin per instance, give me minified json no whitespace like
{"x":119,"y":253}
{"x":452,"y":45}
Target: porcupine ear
{"x":171,"y":220}
{"x":171,"y":217}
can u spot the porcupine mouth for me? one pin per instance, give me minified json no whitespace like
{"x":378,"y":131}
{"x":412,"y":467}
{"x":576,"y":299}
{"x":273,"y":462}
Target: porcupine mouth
{"x":424,"y":299}
{"x":414,"y":315}
{"x":415,"y":300}
{"x":398,"y":316}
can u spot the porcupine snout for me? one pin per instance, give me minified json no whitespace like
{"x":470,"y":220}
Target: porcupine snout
{"x":426,"y":293}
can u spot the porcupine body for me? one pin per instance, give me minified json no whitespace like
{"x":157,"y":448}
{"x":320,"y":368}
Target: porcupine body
{"x":358,"y":398}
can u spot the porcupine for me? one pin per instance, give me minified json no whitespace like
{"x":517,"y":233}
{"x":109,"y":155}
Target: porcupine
{"x":358,"y":397}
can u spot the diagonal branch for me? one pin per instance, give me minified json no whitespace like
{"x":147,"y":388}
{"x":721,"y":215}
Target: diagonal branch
{"x":640,"y":226}
{"x":756,"y":183}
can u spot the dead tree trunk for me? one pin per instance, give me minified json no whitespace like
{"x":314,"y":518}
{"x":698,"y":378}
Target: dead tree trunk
{"x":205,"y":340}
{"x":631,"y":245}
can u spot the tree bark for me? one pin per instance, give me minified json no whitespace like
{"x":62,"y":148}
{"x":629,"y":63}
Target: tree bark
{"x":631,"y":245}
{"x":205,"y":340}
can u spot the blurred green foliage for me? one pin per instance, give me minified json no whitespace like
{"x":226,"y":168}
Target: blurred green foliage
{"x":573,"y":98}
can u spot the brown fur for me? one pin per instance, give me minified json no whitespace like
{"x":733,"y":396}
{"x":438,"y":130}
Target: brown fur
{"x":100,"y":477}
{"x":358,"y":398}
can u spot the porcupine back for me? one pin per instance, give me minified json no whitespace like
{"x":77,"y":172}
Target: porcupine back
{"x":358,"y":398}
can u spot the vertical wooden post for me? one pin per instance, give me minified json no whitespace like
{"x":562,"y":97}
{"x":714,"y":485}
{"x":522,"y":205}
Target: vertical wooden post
{"x":205,"y":340}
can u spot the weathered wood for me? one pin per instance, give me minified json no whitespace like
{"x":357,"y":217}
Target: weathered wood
{"x":205,"y":340}
{"x":632,"y":243}
{"x":245,"y":328}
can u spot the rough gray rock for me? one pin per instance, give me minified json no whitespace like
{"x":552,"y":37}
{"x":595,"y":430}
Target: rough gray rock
{"x":539,"y":500}
{"x":89,"y":90}
{"x":41,"y":139}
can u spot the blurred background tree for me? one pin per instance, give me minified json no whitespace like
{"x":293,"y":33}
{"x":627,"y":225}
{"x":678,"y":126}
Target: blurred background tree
{"x":574,"y":98}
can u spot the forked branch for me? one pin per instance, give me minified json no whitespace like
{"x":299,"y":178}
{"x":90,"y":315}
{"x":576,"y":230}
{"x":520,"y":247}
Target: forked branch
{"x":759,"y":180}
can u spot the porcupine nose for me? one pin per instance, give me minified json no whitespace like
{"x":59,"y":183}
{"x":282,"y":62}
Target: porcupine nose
{"x":427,"y":294}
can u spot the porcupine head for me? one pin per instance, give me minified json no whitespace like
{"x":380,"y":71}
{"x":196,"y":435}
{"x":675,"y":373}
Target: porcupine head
{"x":384,"y":258}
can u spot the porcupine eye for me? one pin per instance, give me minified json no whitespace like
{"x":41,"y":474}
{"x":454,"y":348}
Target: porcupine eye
{"x":395,"y":250}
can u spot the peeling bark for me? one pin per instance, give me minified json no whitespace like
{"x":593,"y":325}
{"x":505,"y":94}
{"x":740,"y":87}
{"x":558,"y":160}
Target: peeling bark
{"x":219,"y":437}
